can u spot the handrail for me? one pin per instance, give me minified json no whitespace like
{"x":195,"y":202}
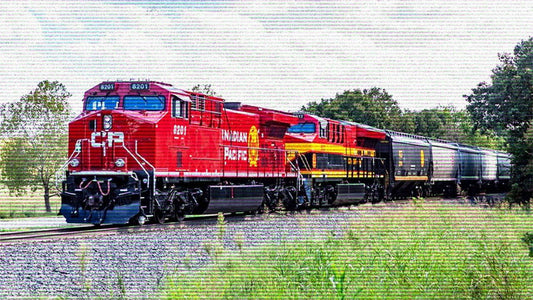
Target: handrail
{"x":140,"y":164}
{"x":74,"y":154}
{"x":136,"y":156}
{"x":147,"y":162}
{"x":305,"y":162}
{"x":295,"y":167}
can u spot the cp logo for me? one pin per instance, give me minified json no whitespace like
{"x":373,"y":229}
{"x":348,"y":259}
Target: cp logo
{"x":100,"y":139}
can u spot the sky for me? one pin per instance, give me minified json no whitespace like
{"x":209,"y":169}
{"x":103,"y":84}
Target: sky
{"x":276,"y":54}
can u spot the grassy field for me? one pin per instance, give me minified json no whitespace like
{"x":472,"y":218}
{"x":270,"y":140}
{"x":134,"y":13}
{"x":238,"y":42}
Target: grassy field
{"x":421,"y":251}
{"x":31,"y":204}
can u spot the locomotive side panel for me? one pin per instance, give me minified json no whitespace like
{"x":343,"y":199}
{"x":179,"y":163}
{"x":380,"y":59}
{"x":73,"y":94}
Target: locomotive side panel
{"x":202,"y":157}
{"x":239,"y":145}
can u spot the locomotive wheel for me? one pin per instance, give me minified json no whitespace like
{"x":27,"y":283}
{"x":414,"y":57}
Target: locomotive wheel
{"x":179,"y":214}
{"x":159,"y":216}
{"x":263,"y":208}
{"x":179,"y":217}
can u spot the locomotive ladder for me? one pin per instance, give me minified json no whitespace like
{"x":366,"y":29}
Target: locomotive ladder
{"x":296,"y":168}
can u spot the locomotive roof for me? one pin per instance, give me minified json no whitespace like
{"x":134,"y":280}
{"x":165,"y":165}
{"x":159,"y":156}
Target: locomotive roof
{"x":364,"y":126}
{"x":362,"y":129}
{"x":162,"y":85}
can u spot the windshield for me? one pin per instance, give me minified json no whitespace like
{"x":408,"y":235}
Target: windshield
{"x":144,"y":102}
{"x":101,"y":102}
{"x":303,"y":128}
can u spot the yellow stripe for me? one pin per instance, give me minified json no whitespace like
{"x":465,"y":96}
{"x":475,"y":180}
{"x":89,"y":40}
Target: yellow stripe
{"x":328,"y":148}
{"x":411,"y":178}
{"x":336,"y":174}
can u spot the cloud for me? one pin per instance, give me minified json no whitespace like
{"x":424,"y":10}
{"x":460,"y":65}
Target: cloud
{"x":279,"y":54}
{"x":20,"y":55}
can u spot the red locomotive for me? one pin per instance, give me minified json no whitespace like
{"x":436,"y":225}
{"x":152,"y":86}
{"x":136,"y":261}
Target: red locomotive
{"x":147,"y":149}
{"x":144,"y":150}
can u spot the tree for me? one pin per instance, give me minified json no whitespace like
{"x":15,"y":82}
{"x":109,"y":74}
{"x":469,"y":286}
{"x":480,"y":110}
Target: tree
{"x":35,"y":138}
{"x":448,"y":123}
{"x":506,"y":106}
{"x":374,"y":107}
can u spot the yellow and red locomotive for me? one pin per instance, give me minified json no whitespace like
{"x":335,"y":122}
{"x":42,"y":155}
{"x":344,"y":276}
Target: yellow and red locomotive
{"x":148,"y":150}
{"x":337,"y":160}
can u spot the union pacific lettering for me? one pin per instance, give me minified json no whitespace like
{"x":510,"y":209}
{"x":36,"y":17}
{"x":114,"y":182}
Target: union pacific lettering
{"x":234,"y":136}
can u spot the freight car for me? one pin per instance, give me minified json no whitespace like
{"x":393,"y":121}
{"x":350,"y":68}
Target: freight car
{"x":420,"y":166}
{"x":147,"y":150}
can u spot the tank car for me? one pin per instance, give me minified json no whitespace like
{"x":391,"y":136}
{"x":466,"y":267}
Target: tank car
{"x":147,"y":150}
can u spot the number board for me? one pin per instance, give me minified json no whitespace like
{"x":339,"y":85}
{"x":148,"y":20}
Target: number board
{"x":107,"y":87}
{"x":140,"y":86}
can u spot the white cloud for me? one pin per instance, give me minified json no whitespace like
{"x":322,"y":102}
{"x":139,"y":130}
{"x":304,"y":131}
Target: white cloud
{"x":279,"y":54}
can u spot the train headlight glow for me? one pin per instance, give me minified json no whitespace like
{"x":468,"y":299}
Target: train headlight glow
{"x":74,"y":162}
{"x":107,"y":122}
{"x":120,"y":163}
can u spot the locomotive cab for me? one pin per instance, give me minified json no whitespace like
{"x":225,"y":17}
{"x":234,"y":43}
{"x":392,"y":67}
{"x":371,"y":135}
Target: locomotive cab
{"x":108,"y":179}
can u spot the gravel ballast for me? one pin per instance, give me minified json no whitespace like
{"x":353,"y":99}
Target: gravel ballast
{"x":134,"y":264}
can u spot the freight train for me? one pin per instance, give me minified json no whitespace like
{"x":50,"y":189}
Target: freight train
{"x":146,"y":150}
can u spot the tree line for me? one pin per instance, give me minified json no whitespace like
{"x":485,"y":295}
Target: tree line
{"x":498,"y":115}
{"x":377,"y":108}
{"x":33,"y":130}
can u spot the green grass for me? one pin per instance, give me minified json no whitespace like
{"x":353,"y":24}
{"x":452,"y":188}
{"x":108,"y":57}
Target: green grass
{"x":29,"y":205}
{"x":422,"y":251}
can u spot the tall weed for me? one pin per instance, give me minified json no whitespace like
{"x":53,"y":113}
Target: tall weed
{"x":427,"y":250}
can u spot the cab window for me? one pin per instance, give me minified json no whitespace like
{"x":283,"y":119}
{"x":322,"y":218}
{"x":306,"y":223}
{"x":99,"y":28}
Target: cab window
{"x":303,"y":128}
{"x":154,"y":103}
{"x":101,"y":102}
{"x":180,"y":108}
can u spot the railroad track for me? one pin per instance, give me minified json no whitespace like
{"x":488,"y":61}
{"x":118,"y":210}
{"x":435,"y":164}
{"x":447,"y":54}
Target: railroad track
{"x":76,"y":232}
{"x":43,"y":234}
{"x":90,"y":230}
{"x":200,"y":220}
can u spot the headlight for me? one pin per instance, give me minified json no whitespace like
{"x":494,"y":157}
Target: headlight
{"x":108,"y":122}
{"x":120,"y":163}
{"x":74,"y":162}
